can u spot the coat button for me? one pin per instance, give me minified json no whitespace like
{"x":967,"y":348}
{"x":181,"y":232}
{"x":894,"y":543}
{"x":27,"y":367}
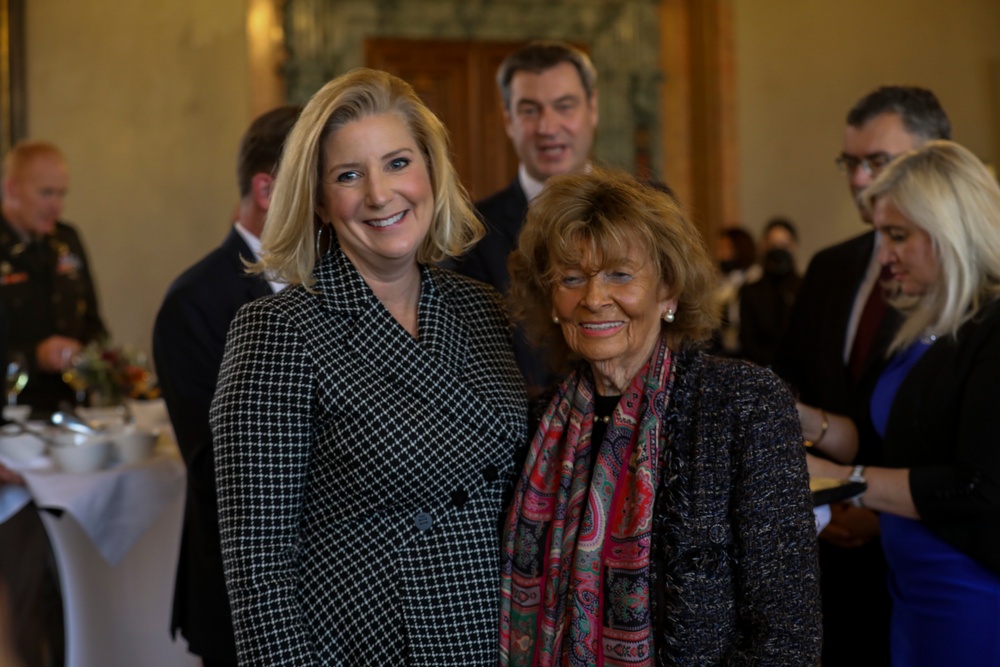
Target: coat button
{"x":458,"y":497}
{"x":423,"y":520}
{"x":716,"y":534}
{"x":490,"y":473}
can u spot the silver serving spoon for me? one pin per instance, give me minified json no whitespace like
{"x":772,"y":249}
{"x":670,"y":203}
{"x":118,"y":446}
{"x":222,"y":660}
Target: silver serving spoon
{"x":73,"y":423}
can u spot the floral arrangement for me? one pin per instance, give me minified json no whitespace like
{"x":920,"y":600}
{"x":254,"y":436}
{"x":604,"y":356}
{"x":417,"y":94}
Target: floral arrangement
{"x":106,"y":374}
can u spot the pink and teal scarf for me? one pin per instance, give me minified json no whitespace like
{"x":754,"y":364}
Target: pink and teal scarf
{"x":576,"y":544}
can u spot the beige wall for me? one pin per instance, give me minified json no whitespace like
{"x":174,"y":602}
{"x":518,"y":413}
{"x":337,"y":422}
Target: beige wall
{"x":148,"y":101}
{"x":802,"y":65}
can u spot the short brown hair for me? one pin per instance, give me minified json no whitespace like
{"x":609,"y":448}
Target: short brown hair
{"x":537,"y":57}
{"x":607,"y":215}
{"x":260,"y":147}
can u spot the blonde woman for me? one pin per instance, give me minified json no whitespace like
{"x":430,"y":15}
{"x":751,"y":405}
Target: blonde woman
{"x":366,"y":416}
{"x":937,"y":211}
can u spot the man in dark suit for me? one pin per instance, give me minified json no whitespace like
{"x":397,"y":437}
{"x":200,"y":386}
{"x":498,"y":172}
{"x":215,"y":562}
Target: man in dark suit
{"x":188,"y":341}
{"x":832,"y":355}
{"x":549,"y":93}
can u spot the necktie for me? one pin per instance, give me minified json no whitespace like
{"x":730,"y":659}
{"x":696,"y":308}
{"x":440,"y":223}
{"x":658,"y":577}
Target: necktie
{"x":871,"y":318}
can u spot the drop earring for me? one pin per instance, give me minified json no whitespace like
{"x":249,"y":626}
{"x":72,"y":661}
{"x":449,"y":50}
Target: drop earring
{"x":669,"y":316}
{"x":322,"y":245}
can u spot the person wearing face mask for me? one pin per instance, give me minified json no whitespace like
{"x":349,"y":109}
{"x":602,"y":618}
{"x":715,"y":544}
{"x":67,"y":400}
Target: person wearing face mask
{"x":737,"y":255}
{"x":766,"y":303}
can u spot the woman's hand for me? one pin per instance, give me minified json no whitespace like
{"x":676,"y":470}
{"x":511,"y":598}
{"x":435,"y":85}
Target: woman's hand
{"x":833,"y":435}
{"x":822,"y":468}
{"x":8,"y":476}
{"x":888,"y":488}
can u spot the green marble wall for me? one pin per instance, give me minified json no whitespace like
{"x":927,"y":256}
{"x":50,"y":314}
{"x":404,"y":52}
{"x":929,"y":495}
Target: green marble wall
{"x":326,"y":38}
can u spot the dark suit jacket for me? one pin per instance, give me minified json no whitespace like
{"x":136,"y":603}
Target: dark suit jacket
{"x":361,"y":472}
{"x":943,"y":427}
{"x":811,"y":358}
{"x":188,"y":341}
{"x":503,"y":214}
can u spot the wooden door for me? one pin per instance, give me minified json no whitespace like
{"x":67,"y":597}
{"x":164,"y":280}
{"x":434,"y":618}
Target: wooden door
{"x":456,"y":79}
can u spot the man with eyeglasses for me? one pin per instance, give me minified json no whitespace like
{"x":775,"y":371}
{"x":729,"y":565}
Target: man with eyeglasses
{"x":832,"y":355}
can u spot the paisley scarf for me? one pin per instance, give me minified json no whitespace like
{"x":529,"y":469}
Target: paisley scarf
{"x":576,"y":544}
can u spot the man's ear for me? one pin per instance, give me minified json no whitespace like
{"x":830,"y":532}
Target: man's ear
{"x":9,"y":191}
{"x":507,"y":124}
{"x":261,"y":186}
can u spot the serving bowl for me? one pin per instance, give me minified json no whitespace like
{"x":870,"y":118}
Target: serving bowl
{"x":103,"y":417}
{"x":76,"y":452}
{"x":148,"y":413}
{"x":134,"y":443}
{"x":19,"y":446}
{"x":16,"y":413}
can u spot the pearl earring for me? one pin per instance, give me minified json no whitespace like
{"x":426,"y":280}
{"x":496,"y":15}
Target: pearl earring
{"x":555,"y":320}
{"x":669,"y":316}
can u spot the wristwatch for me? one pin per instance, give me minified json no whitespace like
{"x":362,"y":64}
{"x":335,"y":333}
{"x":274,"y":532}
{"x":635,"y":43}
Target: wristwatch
{"x":858,"y":475}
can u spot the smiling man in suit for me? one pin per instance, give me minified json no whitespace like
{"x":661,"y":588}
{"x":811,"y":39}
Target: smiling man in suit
{"x":549,"y":94}
{"x":833,"y":354}
{"x":188,"y":341}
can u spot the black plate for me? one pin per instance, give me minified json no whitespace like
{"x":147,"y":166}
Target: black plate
{"x":842,"y":490}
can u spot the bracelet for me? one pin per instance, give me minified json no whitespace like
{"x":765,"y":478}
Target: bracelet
{"x":823,"y":429}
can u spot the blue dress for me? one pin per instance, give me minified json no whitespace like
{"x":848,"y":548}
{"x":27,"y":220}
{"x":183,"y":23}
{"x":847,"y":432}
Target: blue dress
{"x":946,"y":606}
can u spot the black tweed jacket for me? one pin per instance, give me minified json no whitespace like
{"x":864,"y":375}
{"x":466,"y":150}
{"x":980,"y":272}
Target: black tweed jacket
{"x":734,"y":573}
{"x":360,"y":472}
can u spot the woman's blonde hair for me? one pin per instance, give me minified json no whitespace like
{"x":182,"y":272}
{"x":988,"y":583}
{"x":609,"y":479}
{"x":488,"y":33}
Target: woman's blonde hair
{"x":607,"y":216}
{"x":288,"y":244}
{"x":945,"y":190}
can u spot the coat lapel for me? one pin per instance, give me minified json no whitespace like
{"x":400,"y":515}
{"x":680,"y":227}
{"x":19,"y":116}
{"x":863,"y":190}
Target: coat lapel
{"x":436,"y":368}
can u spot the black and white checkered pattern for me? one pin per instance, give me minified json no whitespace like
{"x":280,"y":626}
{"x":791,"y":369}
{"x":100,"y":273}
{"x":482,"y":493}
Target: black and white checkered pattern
{"x":360,"y":472}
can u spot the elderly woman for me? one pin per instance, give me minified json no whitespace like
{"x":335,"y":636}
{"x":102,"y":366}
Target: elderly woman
{"x":366,"y":417}
{"x":663,"y":515}
{"x":937,"y":210}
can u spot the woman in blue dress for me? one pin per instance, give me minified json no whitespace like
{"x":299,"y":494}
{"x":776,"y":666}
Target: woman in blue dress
{"x":937,"y":211}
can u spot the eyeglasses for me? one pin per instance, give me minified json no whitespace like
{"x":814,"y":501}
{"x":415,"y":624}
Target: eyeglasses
{"x":871,"y":164}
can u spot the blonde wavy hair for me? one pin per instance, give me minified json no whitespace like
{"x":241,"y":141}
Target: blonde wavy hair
{"x":945,"y":190}
{"x":288,"y":244}
{"x":608,"y":216}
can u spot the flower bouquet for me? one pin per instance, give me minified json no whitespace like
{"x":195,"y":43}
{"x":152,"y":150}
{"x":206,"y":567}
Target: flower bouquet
{"x":103,"y":374}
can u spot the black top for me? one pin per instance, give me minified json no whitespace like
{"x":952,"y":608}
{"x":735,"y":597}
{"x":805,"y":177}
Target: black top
{"x":604,"y":407}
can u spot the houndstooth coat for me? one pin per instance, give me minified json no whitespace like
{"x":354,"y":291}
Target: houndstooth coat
{"x":360,"y":472}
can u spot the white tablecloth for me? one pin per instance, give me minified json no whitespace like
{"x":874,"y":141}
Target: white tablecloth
{"x":116,"y":545}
